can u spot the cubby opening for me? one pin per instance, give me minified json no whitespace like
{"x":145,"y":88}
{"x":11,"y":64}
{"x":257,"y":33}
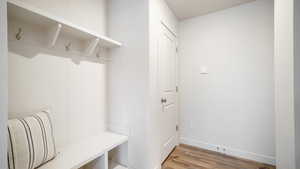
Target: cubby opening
{"x":99,"y":163}
{"x":118,"y":157}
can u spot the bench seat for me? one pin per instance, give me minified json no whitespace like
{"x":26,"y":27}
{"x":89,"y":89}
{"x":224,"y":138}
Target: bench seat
{"x":77,"y":155}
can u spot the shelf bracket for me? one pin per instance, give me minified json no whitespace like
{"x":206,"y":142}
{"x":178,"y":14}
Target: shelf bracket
{"x":54,"y":33}
{"x":92,"y":46}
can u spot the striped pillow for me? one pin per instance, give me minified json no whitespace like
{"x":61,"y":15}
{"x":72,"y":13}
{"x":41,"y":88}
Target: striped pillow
{"x":30,"y":141}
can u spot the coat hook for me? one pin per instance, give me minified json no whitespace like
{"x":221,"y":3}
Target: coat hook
{"x":98,"y":55}
{"x":68,"y":46}
{"x":19,"y":34}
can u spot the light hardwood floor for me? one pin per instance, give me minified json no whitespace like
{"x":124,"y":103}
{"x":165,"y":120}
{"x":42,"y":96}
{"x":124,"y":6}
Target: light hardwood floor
{"x":187,"y":157}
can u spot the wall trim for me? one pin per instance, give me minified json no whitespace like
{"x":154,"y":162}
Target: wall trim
{"x":158,"y":166}
{"x":163,"y":23}
{"x":3,"y":84}
{"x":230,"y":151}
{"x":118,"y":128}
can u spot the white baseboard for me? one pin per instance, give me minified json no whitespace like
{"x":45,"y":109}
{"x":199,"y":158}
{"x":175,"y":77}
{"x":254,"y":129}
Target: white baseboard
{"x":230,"y":151}
{"x":158,"y":167}
{"x":120,"y":129}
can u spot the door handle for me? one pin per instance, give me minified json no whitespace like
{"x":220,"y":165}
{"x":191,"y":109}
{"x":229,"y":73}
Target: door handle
{"x":163,"y":100}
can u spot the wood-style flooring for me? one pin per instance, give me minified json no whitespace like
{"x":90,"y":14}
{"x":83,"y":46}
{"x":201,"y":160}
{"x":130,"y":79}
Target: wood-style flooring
{"x":187,"y":157}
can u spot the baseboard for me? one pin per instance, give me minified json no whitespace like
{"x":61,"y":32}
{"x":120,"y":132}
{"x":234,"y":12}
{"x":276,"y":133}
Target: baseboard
{"x":158,"y":167}
{"x":230,"y":151}
{"x":120,"y":129}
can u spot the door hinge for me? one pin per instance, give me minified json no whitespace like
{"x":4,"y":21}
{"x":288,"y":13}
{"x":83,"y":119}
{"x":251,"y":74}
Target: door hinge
{"x":177,"y":50}
{"x":177,"y":89}
{"x":177,"y":128}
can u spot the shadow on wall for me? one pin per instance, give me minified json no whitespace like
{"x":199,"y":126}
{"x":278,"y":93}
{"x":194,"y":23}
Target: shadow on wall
{"x":30,"y":41}
{"x":31,"y":51}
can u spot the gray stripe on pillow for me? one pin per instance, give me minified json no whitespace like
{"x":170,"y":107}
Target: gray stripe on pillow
{"x":28,"y":142}
{"x":50,"y":122}
{"x":40,"y":121}
{"x":32,"y":144}
{"x":11,"y":149}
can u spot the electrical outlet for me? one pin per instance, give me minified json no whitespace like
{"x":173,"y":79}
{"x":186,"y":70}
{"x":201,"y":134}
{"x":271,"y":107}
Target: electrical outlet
{"x":224,"y":150}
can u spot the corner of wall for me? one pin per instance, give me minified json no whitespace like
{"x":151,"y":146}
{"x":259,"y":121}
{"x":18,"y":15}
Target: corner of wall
{"x":3,"y":83}
{"x":284,"y":84}
{"x":297,"y":78}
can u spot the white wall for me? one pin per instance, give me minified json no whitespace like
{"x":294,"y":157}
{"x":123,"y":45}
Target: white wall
{"x":233,"y":105}
{"x":159,"y":13}
{"x":128,"y":101}
{"x":297,"y":78}
{"x":3,"y":84}
{"x":132,"y":76}
{"x":38,"y":77}
{"x":284,"y":84}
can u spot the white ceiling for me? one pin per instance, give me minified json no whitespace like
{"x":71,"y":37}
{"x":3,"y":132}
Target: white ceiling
{"x":185,"y":9}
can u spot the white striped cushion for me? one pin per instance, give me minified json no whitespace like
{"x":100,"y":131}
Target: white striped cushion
{"x":30,"y":141}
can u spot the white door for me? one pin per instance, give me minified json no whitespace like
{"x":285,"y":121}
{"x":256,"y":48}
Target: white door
{"x":168,"y":96}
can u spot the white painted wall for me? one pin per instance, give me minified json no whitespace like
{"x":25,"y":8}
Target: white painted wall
{"x":159,"y":13}
{"x":128,"y":83}
{"x":75,"y":91}
{"x":132,"y":76}
{"x":3,"y":84}
{"x":284,"y":84}
{"x":297,"y":78}
{"x":233,"y":105}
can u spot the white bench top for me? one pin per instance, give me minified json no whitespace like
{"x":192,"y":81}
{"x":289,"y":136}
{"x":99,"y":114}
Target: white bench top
{"x":85,"y":151}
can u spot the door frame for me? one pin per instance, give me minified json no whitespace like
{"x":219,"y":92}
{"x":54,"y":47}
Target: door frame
{"x":165,"y":26}
{"x":3,"y":82}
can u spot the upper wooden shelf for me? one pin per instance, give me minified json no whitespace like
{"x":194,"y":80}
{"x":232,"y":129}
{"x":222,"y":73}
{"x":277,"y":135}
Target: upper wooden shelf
{"x":55,"y":25}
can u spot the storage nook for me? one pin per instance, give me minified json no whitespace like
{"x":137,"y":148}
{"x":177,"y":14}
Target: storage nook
{"x":37,"y":39}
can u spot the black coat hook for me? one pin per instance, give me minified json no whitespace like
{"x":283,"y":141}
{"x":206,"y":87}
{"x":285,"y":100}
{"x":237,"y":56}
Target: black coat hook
{"x":68,"y":46}
{"x":19,"y":34}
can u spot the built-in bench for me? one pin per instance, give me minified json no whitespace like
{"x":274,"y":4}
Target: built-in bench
{"x":87,"y":150}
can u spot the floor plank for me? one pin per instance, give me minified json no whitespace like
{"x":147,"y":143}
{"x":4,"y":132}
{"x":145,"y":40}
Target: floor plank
{"x":188,"y":157}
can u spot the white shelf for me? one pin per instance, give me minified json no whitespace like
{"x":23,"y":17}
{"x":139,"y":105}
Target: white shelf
{"x":85,"y":151}
{"x":19,"y":10}
{"x":114,"y":165}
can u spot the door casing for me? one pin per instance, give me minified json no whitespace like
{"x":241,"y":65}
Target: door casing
{"x":163,"y":28}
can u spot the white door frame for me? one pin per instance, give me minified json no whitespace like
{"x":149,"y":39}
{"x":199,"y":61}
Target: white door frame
{"x":3,"y":82}
{"x":177,"y":78}
{"x":163,"y":24}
